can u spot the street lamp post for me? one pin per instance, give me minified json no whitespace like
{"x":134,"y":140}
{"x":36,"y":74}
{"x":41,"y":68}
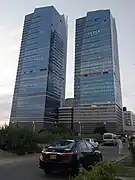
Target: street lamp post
{"x":105,"y":127}
{"x":55,"y":123}
{"x":80,"y":128}
{"x":34,"y":127}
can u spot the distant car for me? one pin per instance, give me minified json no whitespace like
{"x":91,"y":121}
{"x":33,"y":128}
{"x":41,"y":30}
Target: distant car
{"x":110,"y":139}
{"x":93,"y":142}
{"x":68,"y":155}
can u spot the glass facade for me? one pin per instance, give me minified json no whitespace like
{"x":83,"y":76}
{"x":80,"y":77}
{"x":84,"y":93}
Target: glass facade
{"x":40,"y":81}
{"x":97,"y":76}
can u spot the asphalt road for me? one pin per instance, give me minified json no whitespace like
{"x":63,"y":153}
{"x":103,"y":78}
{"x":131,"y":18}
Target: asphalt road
{"x":110,"y":153}
{"x":26,"y":168}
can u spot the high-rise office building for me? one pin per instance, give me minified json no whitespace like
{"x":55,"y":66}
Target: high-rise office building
{"x":97,"y":76}
{"x":40,"y":81}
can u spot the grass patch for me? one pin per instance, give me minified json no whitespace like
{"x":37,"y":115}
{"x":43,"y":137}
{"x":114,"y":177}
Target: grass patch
{"x":125,"y":168}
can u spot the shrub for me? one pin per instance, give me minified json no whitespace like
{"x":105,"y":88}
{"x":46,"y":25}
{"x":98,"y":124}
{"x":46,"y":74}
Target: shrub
{"x":21,"y":140}
{"x":55,"y":133}
{"x":103,"y":171}
{"x":46,"y":137}
{"x":132,"y":150}
{"x":18,"y":140}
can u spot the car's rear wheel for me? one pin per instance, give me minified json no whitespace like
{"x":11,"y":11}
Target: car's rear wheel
{"x":100,"y":158}
{"x":47,"y":171}
{"x":78,"y":168}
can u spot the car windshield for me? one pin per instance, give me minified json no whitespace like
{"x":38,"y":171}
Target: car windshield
{"x":64,"y":144}
{"x":108,"y":136}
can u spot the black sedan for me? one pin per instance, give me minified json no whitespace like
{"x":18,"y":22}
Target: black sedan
{"x":69,"y":155}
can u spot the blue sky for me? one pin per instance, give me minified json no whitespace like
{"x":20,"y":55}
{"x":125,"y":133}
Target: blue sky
{"x":11,"y":23}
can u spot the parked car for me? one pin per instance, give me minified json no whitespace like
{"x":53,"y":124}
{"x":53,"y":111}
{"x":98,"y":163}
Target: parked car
{"x":69,"y":155}
{"x":93,"y":142}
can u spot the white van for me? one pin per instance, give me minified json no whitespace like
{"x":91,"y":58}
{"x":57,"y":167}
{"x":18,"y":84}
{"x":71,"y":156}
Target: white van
{"x":110,"y":138}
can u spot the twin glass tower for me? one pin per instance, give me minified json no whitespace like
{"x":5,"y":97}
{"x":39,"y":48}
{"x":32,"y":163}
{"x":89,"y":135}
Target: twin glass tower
{"x":41,"y":74}
{"x":40,"y":81}
{"x":97,"y":75}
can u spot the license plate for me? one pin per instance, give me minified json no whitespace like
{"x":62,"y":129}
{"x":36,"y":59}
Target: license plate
{"x":52,"y":156}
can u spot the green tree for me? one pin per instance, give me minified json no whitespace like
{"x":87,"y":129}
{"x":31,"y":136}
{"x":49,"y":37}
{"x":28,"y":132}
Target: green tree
{"x":18,"y":140}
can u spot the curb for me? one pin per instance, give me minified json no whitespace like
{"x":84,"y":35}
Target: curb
{"x":122,"y":158}
{"x":124,"y":178}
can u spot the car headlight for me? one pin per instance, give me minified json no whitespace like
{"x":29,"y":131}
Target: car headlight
{"x":41,"y":157}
